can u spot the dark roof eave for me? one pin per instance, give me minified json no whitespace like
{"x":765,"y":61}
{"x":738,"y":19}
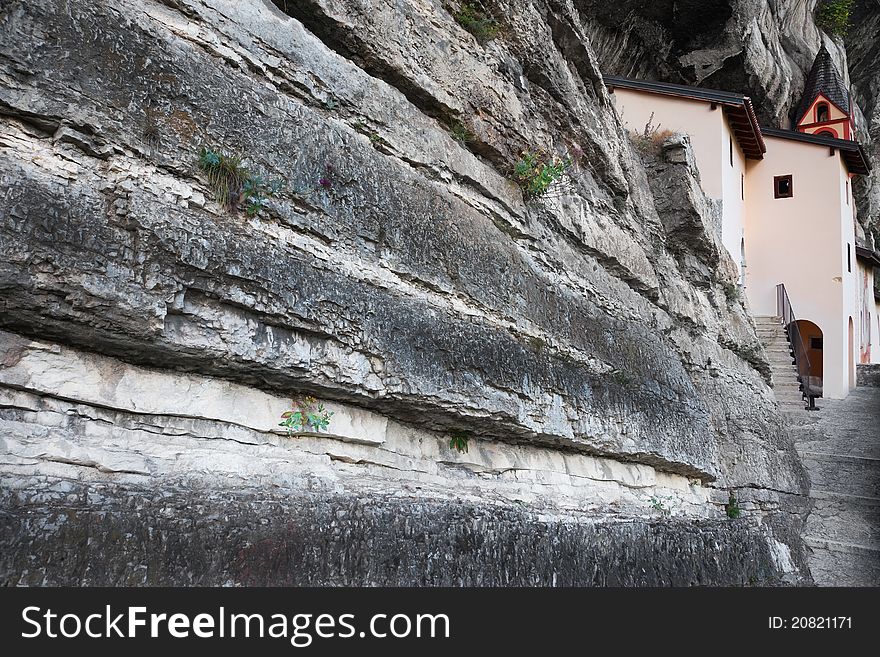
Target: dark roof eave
{"x":868,"y":255}
{"x":749,"y":139}
{"x":853,"y":153}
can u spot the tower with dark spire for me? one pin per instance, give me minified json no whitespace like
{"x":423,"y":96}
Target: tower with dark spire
{"x":826,"y":106}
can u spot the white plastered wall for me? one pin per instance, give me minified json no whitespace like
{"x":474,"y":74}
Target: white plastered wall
{"x":801,"y":241}
{"x":733,"y":192}
{"x":869,"y":322}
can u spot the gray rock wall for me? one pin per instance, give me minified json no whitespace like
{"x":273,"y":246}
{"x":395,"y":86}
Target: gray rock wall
{"x":863,"y":47}
{"x":198,"y":538}
{"x":868,"y":375}
{"x":419,"y":287}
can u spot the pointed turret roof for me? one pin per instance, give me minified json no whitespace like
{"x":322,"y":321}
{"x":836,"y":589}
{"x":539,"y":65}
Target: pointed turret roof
{"x":824,"y":79}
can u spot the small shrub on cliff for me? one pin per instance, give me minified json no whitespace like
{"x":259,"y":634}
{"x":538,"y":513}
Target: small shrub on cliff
{"x":474,"y":18}
{"x":651,"y":138}
{"x":307,"y":414}
{"x":536,"y":172}
{"x":659,"y":504}
{"x":461,"y":133}
{"x":458,"y":441}
{"x":833,"y":16}
{"x":233,"y":184}
{"x":731,"y":291}
{"x":732,"y":507}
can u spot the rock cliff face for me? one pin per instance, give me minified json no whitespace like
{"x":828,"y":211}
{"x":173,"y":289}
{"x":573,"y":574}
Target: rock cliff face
{"x":590,"y":344}
{"x":863,"y":46}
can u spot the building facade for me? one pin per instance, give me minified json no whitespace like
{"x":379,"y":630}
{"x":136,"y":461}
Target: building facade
{"x":788,"y":215}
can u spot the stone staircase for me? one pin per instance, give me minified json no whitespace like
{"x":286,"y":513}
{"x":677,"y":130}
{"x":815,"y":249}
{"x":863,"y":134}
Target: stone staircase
{"x":782,"y":369}
{"x":841,"y":454}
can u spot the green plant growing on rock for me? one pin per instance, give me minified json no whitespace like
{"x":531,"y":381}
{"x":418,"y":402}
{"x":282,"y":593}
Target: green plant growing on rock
{"x":459,"y":441}
{"x":732,"y":507}
{"x":731,"y":291}
{"x":474,"y":18}
{"x":376,"y":140}
{"x":461,"y":133}
{"x":658,"y":504}
{"x":621,"y":377}
{"x":233,"y":184}
{"x":535,"y":172}
{"x":307,"y":414}
{"x":650,"y":140}
{"x":833,"y":16}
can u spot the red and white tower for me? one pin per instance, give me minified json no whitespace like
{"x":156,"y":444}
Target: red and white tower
{"x":826,"y":106}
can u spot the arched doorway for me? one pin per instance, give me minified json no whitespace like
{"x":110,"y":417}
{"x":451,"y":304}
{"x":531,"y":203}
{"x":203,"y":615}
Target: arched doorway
{"x":851,"y":355}
{"x":814,"y":348}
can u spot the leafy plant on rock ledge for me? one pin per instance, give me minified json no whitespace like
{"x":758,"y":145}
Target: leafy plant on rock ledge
{"x":535,"y":172}
{"x":459,"y":441}
{"x":732,"y":507}
{"x":731,"y":291}
{"x":307,"y":414}
{"x":659,"y":504}
{"x":461,"y":133}
{"x":476,"y":19}
{"x":833,"y":16}
{"x":650,"y":140}
{"x":234,"y":185}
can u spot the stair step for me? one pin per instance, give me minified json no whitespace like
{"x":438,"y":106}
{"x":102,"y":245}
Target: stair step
{"x":837,"y":563}
{"x":842,"y":546}
{"x":851,"y":475}
{"x":798,"y":420}
{"x":845,"y":518}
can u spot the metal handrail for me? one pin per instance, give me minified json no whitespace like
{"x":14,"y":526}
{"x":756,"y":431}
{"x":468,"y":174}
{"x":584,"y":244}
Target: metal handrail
{"x":796,"y":340}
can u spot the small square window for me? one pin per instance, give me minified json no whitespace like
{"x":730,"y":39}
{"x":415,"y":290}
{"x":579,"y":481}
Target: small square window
{"x":816,"y":343}
{"x":782,"y":187}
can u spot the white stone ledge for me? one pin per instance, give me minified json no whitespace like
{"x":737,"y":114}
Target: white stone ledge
{"x":87,"y":416}
{"x":69,"y":374}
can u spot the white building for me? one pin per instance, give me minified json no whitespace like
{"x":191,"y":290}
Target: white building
{"x":788,"y":216}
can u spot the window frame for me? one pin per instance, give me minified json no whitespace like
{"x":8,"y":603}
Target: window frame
{"x":777,"y":179}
